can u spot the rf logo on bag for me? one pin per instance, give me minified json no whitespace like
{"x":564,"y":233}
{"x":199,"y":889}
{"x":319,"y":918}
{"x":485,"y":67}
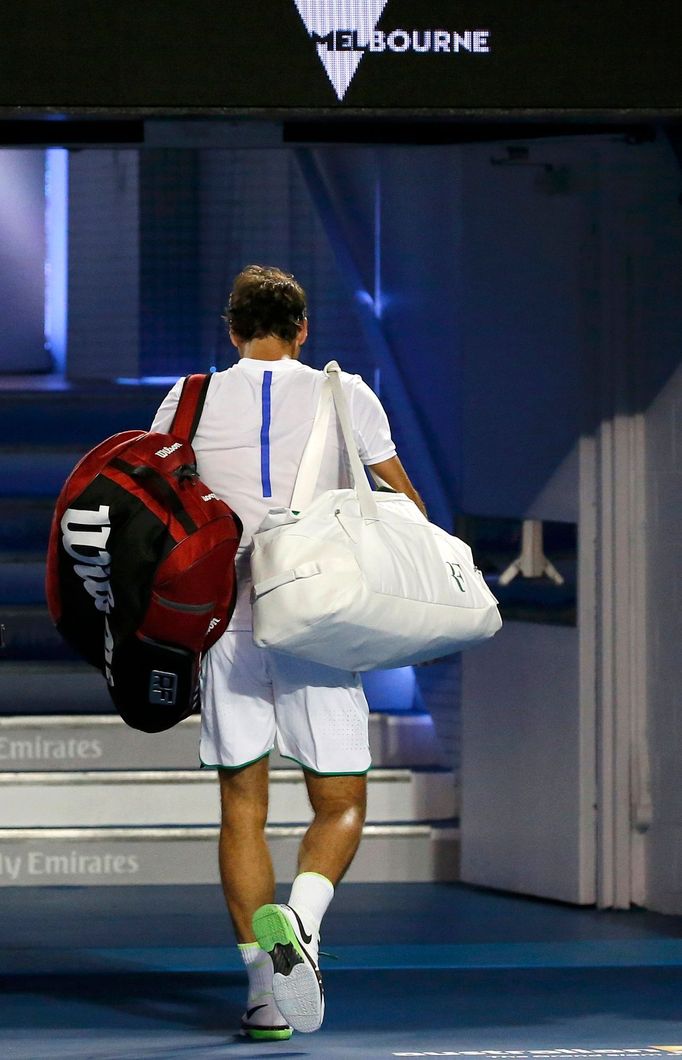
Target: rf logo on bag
{"x":456,"y":572}
{"x":163,"y":688}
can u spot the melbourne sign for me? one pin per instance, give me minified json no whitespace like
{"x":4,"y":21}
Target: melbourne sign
{"x":310,"y":57}
{"x":343,"y":32}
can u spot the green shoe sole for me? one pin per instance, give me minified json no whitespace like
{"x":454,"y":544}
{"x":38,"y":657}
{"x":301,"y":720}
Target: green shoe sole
{"x":272,"y":928}
{"x":268,"y":1036}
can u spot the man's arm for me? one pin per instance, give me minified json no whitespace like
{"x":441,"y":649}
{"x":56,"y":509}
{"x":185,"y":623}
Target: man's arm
{"x":394,"y":475}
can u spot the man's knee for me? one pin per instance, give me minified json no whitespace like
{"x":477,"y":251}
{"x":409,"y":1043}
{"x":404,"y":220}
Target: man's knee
{"x":243,"y":816}
{"x":343,"y":798}
{"x":244,"y":797}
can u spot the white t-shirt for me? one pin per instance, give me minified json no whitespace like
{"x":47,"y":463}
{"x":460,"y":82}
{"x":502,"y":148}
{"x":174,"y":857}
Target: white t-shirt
{"x":253,"y":430}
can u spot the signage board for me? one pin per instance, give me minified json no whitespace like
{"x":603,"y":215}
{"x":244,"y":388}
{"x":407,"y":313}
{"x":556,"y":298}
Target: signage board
{"x":233,"y":56}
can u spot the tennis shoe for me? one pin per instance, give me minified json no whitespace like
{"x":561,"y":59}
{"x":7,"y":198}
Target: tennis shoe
{"x":296,"y":981}
{"x":263,"y":1021}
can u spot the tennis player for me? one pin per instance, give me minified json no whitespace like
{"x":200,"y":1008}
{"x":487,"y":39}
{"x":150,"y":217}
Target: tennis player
{"x":253,"y":430}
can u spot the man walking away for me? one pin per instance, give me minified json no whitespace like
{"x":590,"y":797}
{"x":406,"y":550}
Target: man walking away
{"x":249,"y":443}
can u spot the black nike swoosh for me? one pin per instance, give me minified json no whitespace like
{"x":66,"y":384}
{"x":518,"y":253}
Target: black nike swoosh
{"x":304,"y":935}
{"x":250,"y":1011}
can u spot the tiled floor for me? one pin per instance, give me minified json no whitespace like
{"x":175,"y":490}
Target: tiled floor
{"x":421,"y":970}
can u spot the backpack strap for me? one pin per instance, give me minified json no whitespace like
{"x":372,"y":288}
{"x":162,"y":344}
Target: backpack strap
{"x":367,"y":502}
{"x":190,"y":406}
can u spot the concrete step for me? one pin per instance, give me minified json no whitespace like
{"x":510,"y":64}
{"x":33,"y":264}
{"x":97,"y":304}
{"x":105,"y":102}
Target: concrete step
{"x":31,"y":636}
{"x":25,"y":524}
{"x":182,"y":797}
{"x":35,"y":696}
{"x":36,"y":472}
{"x":89,"y":414}
{"x":22,"y":580}
{"x":35,"y":687}
{"x":416,"y":853}
{"x":103,"y":742}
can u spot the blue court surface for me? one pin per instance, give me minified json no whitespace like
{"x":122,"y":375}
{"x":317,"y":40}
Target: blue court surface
{"x":420,"y":970}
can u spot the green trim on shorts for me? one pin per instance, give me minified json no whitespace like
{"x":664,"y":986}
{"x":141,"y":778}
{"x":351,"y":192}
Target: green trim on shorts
{"x":233,"y":769}
{"x":319,"y":773}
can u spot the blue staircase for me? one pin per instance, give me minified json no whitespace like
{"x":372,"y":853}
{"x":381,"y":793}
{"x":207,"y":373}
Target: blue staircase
{"x":64,"y":753}
{"x":45,"y":433}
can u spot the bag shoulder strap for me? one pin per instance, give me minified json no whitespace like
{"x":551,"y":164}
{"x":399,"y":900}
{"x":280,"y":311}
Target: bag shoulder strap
{"x":309,"y":468}
{"x":190,"y":406}
{"x":311,"y":461}
{"x":368,"y":505}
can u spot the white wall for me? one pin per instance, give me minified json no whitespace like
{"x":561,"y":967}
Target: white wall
{"x":632,"y":500}
{"x":664,"y":634}
{"x":575,"y":332}
{"x":521,"y":776}
{"x":659,"y":334}
{"x":526,"y":788}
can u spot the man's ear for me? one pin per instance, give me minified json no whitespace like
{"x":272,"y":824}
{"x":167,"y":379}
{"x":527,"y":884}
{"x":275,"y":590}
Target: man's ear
{"x":302,"y":332}
{"x":236,"y":340}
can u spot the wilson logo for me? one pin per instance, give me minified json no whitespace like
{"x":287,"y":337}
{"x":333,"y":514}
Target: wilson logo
{"x":85,"y":538}
{"x":212,"y":624}
{"x":209,"y":497}
{"x":343,"y":32}
{"x":108,"y":652}
{"x":85,"y":535}
{"x":168,"y":449}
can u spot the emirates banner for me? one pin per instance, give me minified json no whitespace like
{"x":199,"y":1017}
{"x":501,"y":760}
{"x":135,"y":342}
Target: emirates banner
{"x":212,"y":56}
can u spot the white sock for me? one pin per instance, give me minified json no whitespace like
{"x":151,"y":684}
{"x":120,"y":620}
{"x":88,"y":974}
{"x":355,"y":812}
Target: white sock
{"x":310,"y":896}
{"x":258,"y":968}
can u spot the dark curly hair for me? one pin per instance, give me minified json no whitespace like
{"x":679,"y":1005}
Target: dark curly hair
{"x":265,"y":301}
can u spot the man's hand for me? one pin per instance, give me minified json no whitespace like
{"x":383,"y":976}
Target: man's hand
{"x":394,"y":475}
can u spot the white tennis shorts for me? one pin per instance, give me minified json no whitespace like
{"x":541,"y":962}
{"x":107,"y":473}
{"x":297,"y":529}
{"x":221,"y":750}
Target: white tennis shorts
{"x":251,"y":695}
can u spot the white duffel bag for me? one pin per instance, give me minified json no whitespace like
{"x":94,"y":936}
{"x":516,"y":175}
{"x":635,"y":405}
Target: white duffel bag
{"x":358,"y":579}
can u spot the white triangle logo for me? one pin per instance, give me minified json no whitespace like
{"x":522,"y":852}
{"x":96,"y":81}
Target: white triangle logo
{"x":325,"y":17}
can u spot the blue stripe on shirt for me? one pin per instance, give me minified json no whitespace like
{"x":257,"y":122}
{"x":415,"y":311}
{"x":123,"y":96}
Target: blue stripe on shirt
{"x":265,"y":435}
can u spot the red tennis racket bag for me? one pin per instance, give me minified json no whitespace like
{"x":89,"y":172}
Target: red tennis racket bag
{"x":140,"y":568}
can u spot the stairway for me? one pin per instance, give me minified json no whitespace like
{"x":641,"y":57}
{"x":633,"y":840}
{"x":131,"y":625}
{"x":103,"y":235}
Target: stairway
{"x":85,"y":800}
{"x":45,"y":432}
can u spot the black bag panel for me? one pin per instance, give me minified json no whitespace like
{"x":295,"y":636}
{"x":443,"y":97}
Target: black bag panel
{"x":154,"y":686}
{"x":109,"y":547}
{"x":140,"y":545}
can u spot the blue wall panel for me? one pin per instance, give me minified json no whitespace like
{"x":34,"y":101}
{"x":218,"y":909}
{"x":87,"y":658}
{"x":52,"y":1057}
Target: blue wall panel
{"x":22,"y":262}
